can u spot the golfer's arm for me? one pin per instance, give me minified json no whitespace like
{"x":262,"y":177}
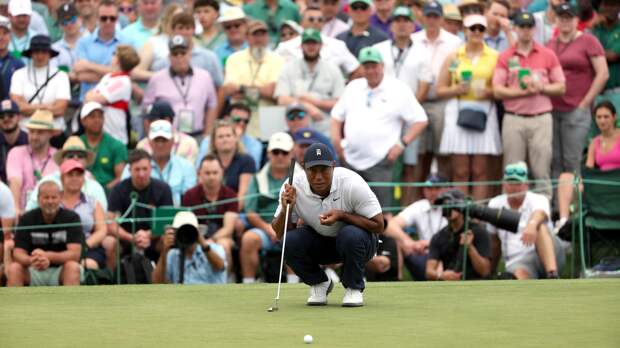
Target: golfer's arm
{"x":372,"y":225}
{"x":278,"y":223}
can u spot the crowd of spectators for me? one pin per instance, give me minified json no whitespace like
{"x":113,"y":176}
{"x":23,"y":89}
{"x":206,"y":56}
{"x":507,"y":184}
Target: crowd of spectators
{"x":202,"y":104}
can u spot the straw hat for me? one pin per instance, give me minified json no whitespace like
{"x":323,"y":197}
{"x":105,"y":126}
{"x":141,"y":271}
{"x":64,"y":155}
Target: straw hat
{"x":74,"y":143}
{"x":41,"y":119}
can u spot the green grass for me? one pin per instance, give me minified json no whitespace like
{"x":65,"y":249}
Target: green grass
{"x":566,"y":313}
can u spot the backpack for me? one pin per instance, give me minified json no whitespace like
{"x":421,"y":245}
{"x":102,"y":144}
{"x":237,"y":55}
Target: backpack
{"x":136,"y":269}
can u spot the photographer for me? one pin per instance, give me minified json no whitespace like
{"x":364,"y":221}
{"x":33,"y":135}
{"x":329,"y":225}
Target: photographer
{"x":445,"y":254}
{"x":204,"y":262}
{"x":531,"y":252}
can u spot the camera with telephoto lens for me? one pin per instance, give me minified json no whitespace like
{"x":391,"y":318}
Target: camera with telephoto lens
{"x":454,"y":199}
{"x":185,"y":236}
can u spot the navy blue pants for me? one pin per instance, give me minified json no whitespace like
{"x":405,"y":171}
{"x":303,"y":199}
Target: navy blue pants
{"x":416,"y":264}
{"x":306,"y":250}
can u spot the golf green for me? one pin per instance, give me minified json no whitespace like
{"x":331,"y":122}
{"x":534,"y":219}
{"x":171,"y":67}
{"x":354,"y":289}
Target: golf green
{"x":564,"y":313}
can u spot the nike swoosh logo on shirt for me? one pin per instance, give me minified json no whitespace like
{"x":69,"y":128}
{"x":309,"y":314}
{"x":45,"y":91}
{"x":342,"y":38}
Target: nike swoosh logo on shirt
{"x":335,"y":199}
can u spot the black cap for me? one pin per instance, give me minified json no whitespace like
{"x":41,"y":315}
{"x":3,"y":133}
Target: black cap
{"x":451,"y":197}
{"x":433,"y":7}
{"x":66,"y":11}
{"x":159,"y":110}
{"x":318,"y":155}
{"x":436,"y":178}
{"x":566,"y":8}
{"x":524,"y":19}
{"x":8,"y":106}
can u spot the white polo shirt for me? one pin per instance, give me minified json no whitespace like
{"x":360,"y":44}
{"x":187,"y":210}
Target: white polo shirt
{"x":349,"y":193}
{"x":435,"y":52}
{"x":426,"y":219}
{"x":512,"y":246}
{"x":374,"y":118}
{"x":407,"y":66}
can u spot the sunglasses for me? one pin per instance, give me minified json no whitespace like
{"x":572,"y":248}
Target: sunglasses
{"x":231,"y":26}
{"x":314,"y":19}
{"x":108,"y":18}
{"x":7,"y":115}
{"x":478,"y":28}
{"x":74,"y":154}
{"x":526,"y":26}
{"x":239,"y":119}
{"x":278,"y":152}
{"x":177,"y":53}
{"x":515,"y":171}
{"x":293,"y":115}
{"x":68,"y":21}
{"x":259,"y":32}
{"x":359,"y":7}
{"x":126,"y":9}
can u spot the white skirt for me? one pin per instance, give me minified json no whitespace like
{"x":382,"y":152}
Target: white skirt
{"x":458,"y":140}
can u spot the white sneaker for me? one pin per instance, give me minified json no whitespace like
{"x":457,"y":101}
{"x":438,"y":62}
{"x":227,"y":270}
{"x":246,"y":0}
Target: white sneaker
{"x":331,"y":274}
{"x":319,"y":292}
{"x":352,"y":298}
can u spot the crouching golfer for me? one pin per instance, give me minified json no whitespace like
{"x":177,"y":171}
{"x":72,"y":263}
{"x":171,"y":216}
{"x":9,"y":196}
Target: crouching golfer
{"x":338,"y":219}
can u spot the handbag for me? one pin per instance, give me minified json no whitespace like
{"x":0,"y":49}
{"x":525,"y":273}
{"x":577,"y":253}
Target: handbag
{"x":471,"y":119}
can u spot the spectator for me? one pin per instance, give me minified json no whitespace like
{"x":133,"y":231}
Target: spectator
{"x":608,"y":33}
{"x":499,"y":34}
{"x":298,"y":124}
{"x":526,"y":76}
{"x":262,"y":203}
{"x":382,"y":18}
{"x":361,"y":34}
{"x":467,"y":7}
{"x":73,"y":148}
{"x":128,"y":9}
{"x":207,"y":12}
{"x":149,"y":191}
{"x":311,"y":81}
{"x":47,"y":255}
{"x":434,"y":44}
{"x":238,"y":166}
{"x":375,"y":135}
{"x":604,"y":150}
{"x":585,"y":67}
{"x":417,"y":7}
{"x":177,"y":172}
{"x":20,"y":12}
{"x":545,"y":22}
{"x":184,"y":146}
{"x":50,"y":18}
{"x":41,"y":86}
{"x":251,"y":74}
{"x":87,"y":10}
{"x":114,"y":93}
{"x":452,"y":20}
{"x":427,"y":220}
{"x":445,"y":253}
{"x":333,"y":26}
{"x":7,"y":59}
{"x":10,"y":133}
{"x":304,"y":137}
{"x":414,"y":70}
{"x":532,"y":252}
{"x":289,"y":30}
{"x":111,"y":154}
{"x":96,"y":50}
{"x":27,"y":164}
{"x":235,"y":28}
{"x":215,"y":199}
{"x":204,"y":262}
{"x":273,"y":13}
{"x":466,"y":77}
{"x":137,"y":33}
{"x":333,"y":50}
{"x":7,"y":220}
{"x":188,"y":89}
{"x":239,"y":115}
{"x":91,"y":215}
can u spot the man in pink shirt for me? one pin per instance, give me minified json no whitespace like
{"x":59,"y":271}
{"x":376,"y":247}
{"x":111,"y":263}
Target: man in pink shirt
{"x":527,"y":75}
{"x":27,"y":164}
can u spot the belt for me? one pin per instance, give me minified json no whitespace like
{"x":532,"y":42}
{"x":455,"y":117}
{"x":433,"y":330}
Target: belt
{"x":528,"y":115}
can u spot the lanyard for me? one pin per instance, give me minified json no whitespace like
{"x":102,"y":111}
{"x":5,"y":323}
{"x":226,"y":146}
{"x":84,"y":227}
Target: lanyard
{"x":182,"y":93}
{"x":41,"y":95}
{"x":313,"y":75}
{"x":400,"y":58}
{"x":254,"y":73}
{"x":38,"y":173}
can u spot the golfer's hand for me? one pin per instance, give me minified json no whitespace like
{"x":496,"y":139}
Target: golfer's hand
{"x":529,"y":234}
{"x":467,"y":238}
{"x":288,"y":196}
{"x":330,"y":217}
{"x":168,"y":240}
{"x":451,"y":275}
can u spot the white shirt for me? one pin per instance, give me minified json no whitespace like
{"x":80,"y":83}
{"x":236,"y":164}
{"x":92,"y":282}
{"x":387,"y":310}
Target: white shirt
{"x":543,"y":31}
{"x":333,"y":50}
{"x":334,"y":27}
{"x":7,"y":205}
{"x":349,"y":193}
{"x":426,"y":219}
{"x":410,"y":67}
{"x":374,"y":118}
{"x":435,"y":52}
{"x":115,"y":89}
{"x":27,"y":80}
{"x":512,"y":246}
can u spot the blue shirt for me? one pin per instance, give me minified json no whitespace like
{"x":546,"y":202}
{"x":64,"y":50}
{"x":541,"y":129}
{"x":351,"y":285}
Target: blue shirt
{"x":136,"y":34}
{"x":224,"y":51}
{"x":207,"y":60}
{"x":498,"y":43}
{"x":95,"y":50}
{"x":178,"y":173}
{"x":18,"y":45}
{"x":8,"y":65}
{"x":198,"y":270}
{"x":253,"y":147}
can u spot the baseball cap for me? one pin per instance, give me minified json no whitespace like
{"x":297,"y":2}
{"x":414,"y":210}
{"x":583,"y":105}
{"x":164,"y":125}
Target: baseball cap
{"x":402,"y":11}
{"x":159,"y":110}
{"x":566,"y":8}
{"x":183,"y":218}
{"x":293,"y":25}
{"x":474,"y":19}
{"x":435,"y":178}
{"x":306,"y":136}
{"x":178,"y":41}
{"x":280,"y":141}
{"x":69,"y":165}
{"x":8,"y":106}
{"x":160,"y":128}
{"x":256,"y":25}
{"x":296,"y":108}
{"x":524,"y":19}
{"x":230,"y":14}
{"x":516,"y":172}
{"x":318,"y":155}
{"x":90,"y":107}
{"x":66,"y":11}
{"x":369,"y":55}
{"x":20,"y":7}
{"x":367,"y":2}
{"x":5,"y":23}
{"x":311,"y":34}
{"x":433,"y":8}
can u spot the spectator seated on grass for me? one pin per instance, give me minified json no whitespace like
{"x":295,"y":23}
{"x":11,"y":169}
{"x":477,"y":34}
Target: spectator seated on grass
{"x":47,"y":255}
{"x":204,"y":262}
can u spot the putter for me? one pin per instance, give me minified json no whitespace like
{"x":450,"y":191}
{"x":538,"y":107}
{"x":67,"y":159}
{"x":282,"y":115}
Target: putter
{"x":291,"y":171}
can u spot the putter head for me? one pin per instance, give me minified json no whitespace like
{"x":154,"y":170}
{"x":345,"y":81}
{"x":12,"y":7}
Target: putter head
{"x":272,"y":309}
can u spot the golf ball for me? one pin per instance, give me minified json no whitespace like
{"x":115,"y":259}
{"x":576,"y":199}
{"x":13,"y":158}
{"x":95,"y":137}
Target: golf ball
{"x":308,"y":339}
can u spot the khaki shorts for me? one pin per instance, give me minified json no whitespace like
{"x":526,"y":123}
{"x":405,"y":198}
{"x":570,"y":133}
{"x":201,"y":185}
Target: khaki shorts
{"x":430,"y":139}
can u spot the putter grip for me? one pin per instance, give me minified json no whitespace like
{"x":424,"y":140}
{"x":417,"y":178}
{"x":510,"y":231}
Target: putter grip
{"x":291,"y":171}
